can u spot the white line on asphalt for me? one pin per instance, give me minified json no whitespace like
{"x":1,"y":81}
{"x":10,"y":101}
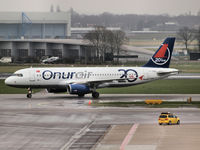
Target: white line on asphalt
{"x":128,"y":136}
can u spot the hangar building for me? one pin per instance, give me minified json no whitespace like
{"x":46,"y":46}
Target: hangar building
{"x":35,"y":25}
{"x":35,"y":49}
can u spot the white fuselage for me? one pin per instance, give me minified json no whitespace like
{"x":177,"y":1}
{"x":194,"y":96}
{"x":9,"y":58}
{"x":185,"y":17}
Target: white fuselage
{"x":99,"y":76}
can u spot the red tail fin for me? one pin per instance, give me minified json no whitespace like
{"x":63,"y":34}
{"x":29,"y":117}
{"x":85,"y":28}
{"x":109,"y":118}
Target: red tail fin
{"x":161,"y":52}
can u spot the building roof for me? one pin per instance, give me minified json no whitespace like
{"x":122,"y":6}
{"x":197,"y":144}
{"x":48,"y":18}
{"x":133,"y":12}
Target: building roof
{"x":57,"y":41}
{"x":35,"y":17}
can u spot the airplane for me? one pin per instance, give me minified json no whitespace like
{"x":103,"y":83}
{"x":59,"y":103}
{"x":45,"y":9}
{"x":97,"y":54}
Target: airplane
{"x":85,"y":80}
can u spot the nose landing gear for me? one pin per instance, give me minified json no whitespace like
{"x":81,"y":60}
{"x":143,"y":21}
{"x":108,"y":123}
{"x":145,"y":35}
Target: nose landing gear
{"x":29,"y":95}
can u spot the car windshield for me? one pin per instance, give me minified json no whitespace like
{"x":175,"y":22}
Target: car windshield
{"x":163,"y":113}
{"x":163,"y":116}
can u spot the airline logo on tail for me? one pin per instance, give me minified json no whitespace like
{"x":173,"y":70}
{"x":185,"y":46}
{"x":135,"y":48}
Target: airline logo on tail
{"x":162,"y":56}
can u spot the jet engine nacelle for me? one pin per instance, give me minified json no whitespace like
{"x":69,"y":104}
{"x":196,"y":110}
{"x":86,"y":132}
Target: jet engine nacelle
{"x":56,"y":90}
{"x":78,"y":89}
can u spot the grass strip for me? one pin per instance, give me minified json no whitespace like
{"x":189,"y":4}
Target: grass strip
{"x":187,"y":86}
{"x":166,"y":104}
{"x":184,"y":86}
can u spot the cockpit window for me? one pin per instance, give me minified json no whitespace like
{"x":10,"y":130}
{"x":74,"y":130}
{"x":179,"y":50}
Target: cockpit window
{"x":17,"y":74}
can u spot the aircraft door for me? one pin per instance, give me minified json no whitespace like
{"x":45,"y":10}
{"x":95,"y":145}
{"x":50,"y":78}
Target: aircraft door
{"x":32,"y":76}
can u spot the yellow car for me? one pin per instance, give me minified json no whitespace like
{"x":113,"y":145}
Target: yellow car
{"x":168,"y":119}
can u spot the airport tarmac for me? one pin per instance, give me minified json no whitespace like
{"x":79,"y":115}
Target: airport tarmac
{"x":60,"y":122}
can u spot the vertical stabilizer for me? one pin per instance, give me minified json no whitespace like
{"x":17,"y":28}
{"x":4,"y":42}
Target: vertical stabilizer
{"x":162,"y":56}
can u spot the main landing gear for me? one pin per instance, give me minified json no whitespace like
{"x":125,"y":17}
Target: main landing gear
{"x":29,"y":95}
{"x":80,"y":95}
{"x":95,"y":95}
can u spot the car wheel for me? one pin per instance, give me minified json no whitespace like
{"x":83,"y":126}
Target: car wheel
{"x":160,"y":123}
{"x":170,"y":123}
{"x":178,"y":122}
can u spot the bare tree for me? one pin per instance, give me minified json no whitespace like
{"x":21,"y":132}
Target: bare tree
{"x":186,"y":35}
{"x":119,"y":38}
{"x":107,"y":43}
{"x":104,"y":41}
{"x":111,"y":41}
{"x":99,"y":40}
{"x":95,"y":39}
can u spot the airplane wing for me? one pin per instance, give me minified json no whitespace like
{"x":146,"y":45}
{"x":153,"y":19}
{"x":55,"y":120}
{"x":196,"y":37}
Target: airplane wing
{"x":96,"y":81}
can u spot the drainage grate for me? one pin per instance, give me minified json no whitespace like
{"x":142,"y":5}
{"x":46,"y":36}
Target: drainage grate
{"x":90,"y":138}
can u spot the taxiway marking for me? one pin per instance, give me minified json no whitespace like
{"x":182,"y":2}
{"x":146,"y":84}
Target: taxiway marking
{"x":128,"y":136}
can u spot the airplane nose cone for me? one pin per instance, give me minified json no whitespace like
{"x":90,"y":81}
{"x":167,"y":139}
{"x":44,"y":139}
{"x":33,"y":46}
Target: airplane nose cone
{"x":8,"y":81}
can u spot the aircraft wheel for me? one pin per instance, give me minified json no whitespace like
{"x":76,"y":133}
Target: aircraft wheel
{"x":95,"y":94}
{"x":29,"y":95}
{"x":81,"y":95}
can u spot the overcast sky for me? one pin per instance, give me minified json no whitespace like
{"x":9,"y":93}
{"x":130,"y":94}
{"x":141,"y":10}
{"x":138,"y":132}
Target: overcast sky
{"x":171,"y":7}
